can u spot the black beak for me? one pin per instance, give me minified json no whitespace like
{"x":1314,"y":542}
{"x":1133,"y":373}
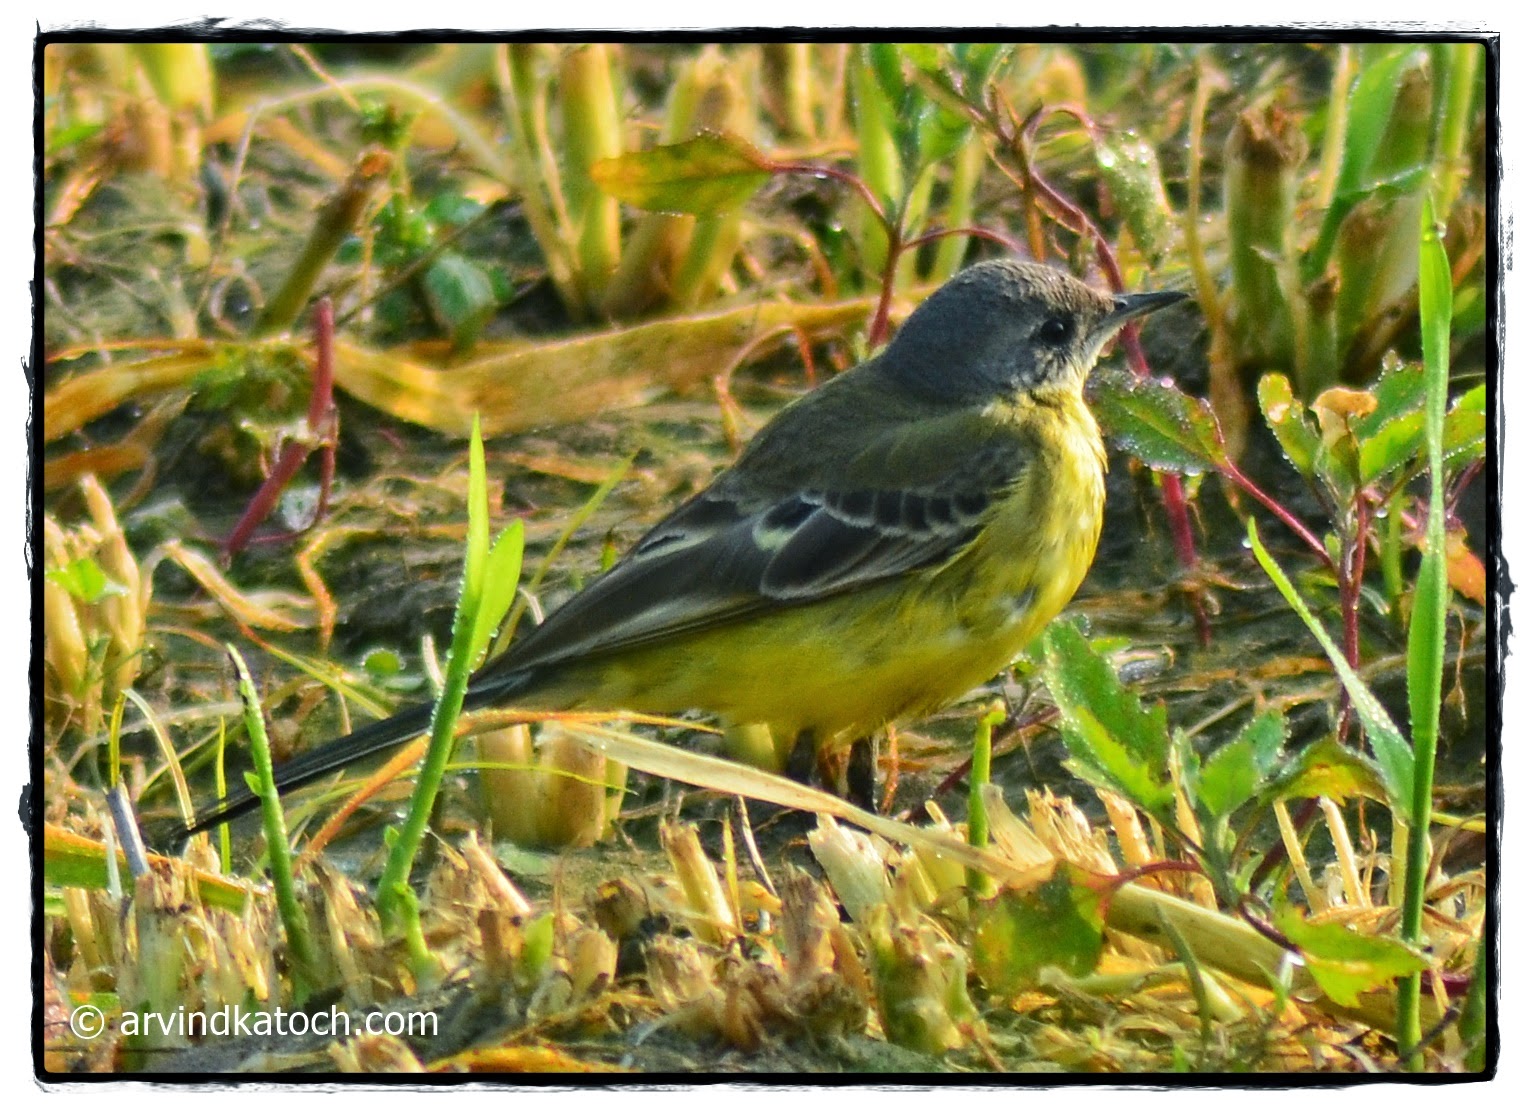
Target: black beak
{"x":1131,"y":305}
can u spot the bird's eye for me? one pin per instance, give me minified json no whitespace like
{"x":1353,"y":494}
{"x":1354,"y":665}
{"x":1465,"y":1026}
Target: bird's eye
{"x":1055,"y":330}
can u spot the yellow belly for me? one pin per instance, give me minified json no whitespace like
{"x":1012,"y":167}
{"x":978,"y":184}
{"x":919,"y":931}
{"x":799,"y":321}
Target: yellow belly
{"x":848,"y":665}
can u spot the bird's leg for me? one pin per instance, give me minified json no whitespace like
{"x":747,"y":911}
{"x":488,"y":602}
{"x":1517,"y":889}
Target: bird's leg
{"x":861,"y":773}
{"x":803,"y":758}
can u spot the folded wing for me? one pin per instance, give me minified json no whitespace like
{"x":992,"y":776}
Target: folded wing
{"x":735,"y":550}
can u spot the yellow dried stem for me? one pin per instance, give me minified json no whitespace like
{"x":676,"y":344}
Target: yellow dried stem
{"x":704,"y":896}
{"x":1316,"y":899}
{"x":1355,"y":892}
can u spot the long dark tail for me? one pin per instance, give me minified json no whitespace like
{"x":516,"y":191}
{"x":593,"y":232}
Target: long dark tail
{"x":373,"y":739}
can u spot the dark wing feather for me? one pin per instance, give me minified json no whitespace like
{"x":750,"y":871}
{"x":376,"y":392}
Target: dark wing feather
{"x":733,"y":551}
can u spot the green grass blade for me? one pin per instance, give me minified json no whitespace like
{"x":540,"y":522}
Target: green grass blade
{"x":1393,"y":755}
{"x":396,"y":906}
{"x":278,"y":853}
{"x":1426,"y":628}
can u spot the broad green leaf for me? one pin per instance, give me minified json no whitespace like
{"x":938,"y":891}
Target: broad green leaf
{"x":85,"y":581}
{"x":1392,"y":446}
{"x":1392,"y":436}
{"x":461,"y":295}
{"x":1398,"y":391}
{"x":887,"y":64}
{"x":1236,"y":771}
{"x":1114,"y":740}
{"x":701,"y":176}
{"x":878,"y":157}
{"x":453,"y":209}
{"x":1394,"y":755}
{"x":1157,"y":422}
{"x":1058,"y":924}
{"x":1345,"y":963}
{"x":1327,"y":768}
{"x":1102,"y":761}
{"x":978,"y":62}
{"x":941,"y":133}
{"x":1287,"y":418}
{"x":1465,"y":436}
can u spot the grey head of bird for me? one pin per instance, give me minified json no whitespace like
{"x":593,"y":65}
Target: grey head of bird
{"x":1003,"y":327}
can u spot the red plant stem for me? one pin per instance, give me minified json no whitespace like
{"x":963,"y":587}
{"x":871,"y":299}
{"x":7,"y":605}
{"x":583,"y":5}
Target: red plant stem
{"x":1147,"y":870}
{"x":877,"y":334}
{"x":288,"y":463}
{"x":814,"y":169}
{"x":321,"y":402}
{"x":322,"y":430}
{"x":1229,"y":469}
{"x":1465,"y":478}
{"x":1178,"y":510}
{"x":1353,"y":576}
{"x":975,"y":232}
{"x":1266,"y":929}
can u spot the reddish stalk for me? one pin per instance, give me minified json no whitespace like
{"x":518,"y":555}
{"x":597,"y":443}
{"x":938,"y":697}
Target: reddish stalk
{"x":322,"y":433}
{"x":1230,"y":471}
{"x":1351,"y":580}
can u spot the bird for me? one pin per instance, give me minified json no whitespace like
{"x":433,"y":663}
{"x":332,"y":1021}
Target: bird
{"x":886,"y":543}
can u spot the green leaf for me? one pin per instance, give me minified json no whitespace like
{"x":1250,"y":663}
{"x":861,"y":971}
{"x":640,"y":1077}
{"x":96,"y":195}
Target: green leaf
{"x":1129,"y":165}
{"x":1370,"y":110}
{"x":941,"y":133}
{"x":1164,"y":427}
{"x":1398,"y":391}
{"x":1058,"y":924}
{"x":927,"y":56}
{"x":85,"y":581}
{"x":1114,"y":741}
{"x":887,"y":64}
{"x":1392,"y":436}
{"x":382,"y":663}
{"x":477,"y":551}
{"x":461,"y":295}
{"x":1394,"y":755}
{"x":502,"y":577}
{"x":65,"y":137}
{"x":1287,"y":418}
{"x":537,"y":943}
{"x":453,"y":209}
{"x":1344,"y":963}
{"x":978,"y":61}
{"x":701,"y":176}
{"x":1394,"y":445}
{"x":1327,"y":768}
{"x":1236,"y":771}
{"x":1465,"y":435}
